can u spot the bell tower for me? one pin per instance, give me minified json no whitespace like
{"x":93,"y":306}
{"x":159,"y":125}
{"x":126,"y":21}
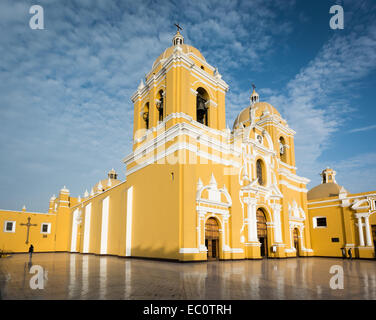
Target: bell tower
{"x":180,"y":87}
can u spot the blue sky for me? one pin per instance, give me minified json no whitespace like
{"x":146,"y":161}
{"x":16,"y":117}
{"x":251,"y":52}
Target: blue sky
{"x":66,"y":115}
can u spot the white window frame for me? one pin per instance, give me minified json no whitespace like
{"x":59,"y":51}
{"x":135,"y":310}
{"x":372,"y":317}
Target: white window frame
{"x":48,"y":228}
{"x":315,"y":226}
{"x":13,"y":227}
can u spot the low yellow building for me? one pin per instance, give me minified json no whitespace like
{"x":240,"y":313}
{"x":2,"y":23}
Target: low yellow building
{"x":341,"y":220}
{"x":194,"y":189}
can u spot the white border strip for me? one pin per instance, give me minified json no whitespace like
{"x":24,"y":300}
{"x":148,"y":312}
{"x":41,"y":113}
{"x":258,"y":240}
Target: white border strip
{"x":87,"y":228}
{"x":128,"y":243}
{"x":104,"y":232}
{"x":74,"y":232}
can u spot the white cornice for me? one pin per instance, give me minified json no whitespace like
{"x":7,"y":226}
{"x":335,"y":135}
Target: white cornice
{"x":290,"y":186}
{"x":197,"y":127}
{"x":26,"y":212}
{"x":181,"y":60}
{"x":183,"y":129}
{"x":286,"y":130}
{"x":288,"y":174}
{"x":337,"y":199}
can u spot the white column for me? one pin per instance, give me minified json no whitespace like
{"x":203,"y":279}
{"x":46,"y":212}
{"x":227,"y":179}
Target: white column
{"x":104,"y":232}
{"x":368,"y":233}
{"x":291,"y":227}
{"x":301,"y":237}
{"x":360,"y":229}
{"x":74,"y":231}
{"x":200,"y":243}
{"x":128,"y":244}
{"x":252,"y":220}
{"x":87,"y":228}
{"x":277,"y":222}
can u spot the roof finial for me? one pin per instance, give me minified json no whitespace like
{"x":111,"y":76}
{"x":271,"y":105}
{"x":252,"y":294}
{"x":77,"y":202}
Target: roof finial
{"x":178,"y":27}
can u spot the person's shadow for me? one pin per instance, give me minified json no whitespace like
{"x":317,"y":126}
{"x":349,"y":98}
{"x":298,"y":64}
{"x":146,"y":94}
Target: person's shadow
{"x":29,"y":264}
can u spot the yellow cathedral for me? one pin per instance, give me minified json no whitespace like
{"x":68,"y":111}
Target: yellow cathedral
{"x":196,"y":190}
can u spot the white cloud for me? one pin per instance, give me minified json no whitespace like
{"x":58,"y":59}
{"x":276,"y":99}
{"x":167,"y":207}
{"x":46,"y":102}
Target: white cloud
{"x":317,"y":100}
{"x":367,"y":128}
{"x":358,"y":173}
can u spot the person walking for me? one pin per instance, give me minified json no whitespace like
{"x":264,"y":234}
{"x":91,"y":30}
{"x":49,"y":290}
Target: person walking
{"x":350,"y":254}
{"x":343,"y":253}
{"x":31,"y":250}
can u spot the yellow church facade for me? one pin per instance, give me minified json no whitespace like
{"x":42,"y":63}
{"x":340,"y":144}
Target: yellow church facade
{"x":341,"y":220}
{"x":195,"y":190}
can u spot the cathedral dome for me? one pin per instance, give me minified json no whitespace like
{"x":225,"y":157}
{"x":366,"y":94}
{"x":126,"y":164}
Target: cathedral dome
{"x":325,"y":190}
{"x":261,"y":109}
{"x":178,"y":43}
{"x":186,"y":48}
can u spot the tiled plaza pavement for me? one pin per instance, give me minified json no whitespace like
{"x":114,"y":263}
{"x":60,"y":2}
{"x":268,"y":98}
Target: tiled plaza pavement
{"x":76,"y":276}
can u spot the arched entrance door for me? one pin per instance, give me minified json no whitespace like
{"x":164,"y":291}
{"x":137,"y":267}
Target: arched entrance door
{"x":212,"y":238}
{"x":262,"y":232}
{"x":296,"y":241}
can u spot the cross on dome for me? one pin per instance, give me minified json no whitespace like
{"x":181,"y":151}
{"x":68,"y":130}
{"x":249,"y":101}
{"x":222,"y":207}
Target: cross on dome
{"x":178,"y":39}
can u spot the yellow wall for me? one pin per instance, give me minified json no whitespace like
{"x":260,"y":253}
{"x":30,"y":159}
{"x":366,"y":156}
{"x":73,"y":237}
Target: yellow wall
{"x":341,"y":223}
{"x":15,"y":242}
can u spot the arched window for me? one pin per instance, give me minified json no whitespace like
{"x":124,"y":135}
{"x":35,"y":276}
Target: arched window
{"x":160,"y":105}
{"x":282,"y":149}
{"x":201,"y":106}
{"x":260,"y":171}
{"x":145,"y":115}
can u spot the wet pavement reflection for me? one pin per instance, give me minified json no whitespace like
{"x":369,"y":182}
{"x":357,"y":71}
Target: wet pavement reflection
{"x":76,"y":276}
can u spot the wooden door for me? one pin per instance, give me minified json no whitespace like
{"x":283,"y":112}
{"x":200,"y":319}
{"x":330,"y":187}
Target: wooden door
{"x":212,"y":238}
{"x":262,"y":232}
{"x":296,"y":241}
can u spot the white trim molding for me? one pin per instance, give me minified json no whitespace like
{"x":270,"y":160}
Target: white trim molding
{"x":13,"y":226}
{"x":48,"y":228}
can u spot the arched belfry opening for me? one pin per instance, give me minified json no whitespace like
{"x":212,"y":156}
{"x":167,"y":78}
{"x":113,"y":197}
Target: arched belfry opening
{"x":160,"y":105}
{"x":262,"y":232}
{"x":282,"y":149}
{"x":202,"y":106}
{"x":145,"y":115}
{"x":212,"y":238}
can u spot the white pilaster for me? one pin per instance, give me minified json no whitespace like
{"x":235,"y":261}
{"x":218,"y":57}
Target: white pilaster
{"x":74,"y":231}
{"x":252,"y":220}
{"x":128,"y":245}
{"x":87,"y":228}
{"x":368,"y":233}
{"x":277,"y":222}
{"x":360,"y":230}
{"x":104,"y":233}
